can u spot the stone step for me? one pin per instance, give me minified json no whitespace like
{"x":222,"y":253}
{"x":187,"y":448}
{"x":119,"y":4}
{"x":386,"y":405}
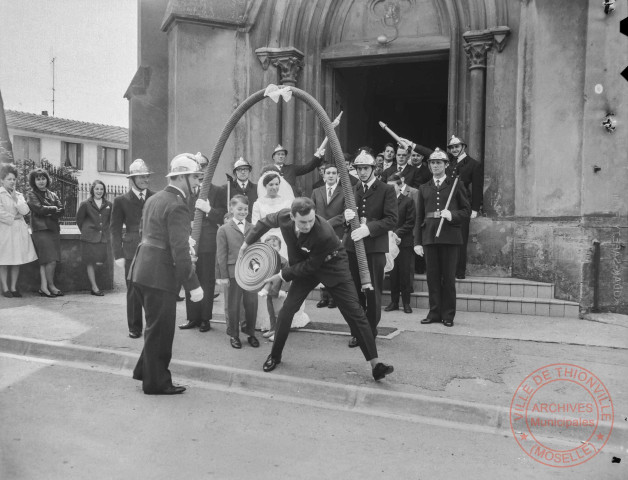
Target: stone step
{"x":545,"y":307}
{"x":493,"y":286}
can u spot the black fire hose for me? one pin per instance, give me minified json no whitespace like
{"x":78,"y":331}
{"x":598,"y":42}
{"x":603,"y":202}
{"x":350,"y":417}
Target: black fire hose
{"x":365,"y":277}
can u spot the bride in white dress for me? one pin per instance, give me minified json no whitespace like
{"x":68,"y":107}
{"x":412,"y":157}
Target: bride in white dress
{"x":274,"y":194}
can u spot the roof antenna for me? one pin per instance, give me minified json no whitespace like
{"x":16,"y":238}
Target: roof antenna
{"x":53,"y":85}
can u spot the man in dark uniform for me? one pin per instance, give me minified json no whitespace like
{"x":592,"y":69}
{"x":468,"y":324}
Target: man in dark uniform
{"x":242,"y":184}
{"x":401,"y":276}
{"x":315,"y":255}
{"x":162,"y":264}
{"x":214,"y":208}
{"x":377,"y":212}
{"x":441,"y":253}
{"x":471,"y":175}
{"x":329,"y":202}
{"x":127,"y":212}
{"x":291,"y":172}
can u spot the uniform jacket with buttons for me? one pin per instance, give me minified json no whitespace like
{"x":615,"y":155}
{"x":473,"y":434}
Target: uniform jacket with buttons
{"x":471,"y":175}
{"x":406,"y":220}
{"x":379,"y":207}
{"x":250,"y":192}
{"x":163,"y":258}
{"x":333,"y":211}
{"x":317,"y":255}
{"x":212,"y":220}
{"x":229,"y":240}
{"x":432,"y":199}
{"x":126,"y":211}
{"x":93,"y":222}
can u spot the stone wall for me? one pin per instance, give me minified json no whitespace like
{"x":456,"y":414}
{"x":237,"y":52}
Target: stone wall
{"x":71,"y":274}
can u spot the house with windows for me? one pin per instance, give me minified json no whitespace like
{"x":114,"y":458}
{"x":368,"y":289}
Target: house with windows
{"x":93,"y":150}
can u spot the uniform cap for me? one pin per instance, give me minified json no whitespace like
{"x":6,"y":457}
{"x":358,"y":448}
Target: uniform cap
{"x":279,"y":148}
{"x":438,"y":154}
{"x":455,"y":141}
{"x":241,"y":163}
{"x":364,"y":160}
{"x":184,"y":164}
{"x":138,"y":167}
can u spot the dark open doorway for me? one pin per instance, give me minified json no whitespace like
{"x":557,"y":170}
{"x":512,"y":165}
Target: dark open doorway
{"x":411,"y":98}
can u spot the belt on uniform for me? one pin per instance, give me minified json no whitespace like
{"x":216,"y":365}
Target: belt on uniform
{"x":333,"y":254}
{"x":432,"y":214}
{"x":153,"y":242}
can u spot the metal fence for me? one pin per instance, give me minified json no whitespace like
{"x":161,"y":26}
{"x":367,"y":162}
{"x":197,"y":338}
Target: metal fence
{"x":64,"y":183}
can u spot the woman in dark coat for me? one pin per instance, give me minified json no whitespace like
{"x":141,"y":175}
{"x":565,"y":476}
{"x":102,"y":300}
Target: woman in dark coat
{"x":46,"y":210}
{"x":92,"y":219}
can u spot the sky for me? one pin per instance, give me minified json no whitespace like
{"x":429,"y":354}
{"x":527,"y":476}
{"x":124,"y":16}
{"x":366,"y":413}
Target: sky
{"x":94,"y":43}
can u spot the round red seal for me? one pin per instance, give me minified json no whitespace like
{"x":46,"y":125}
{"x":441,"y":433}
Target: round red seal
{"x":561,"y":415}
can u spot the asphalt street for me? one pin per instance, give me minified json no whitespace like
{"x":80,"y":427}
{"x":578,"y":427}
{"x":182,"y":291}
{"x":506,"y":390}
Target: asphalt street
{"x":67,"y":423}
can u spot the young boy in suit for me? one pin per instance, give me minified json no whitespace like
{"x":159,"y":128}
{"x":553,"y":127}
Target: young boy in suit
{"x":229,"y":240}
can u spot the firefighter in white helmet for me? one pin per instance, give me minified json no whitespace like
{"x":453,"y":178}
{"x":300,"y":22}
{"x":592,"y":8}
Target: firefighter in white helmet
{"x":161,"y":265}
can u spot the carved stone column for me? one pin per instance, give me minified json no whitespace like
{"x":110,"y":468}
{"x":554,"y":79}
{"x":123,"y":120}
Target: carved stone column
{"x":478,"y":43}
{"x":289,"y":62}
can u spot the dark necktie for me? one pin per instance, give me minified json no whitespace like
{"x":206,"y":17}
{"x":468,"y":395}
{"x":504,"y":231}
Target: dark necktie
{"x":437,"y":183}
{"x":399,"y":169}
{"x":142,"y":197}
{"x":366,"y":188}
{"x":329,"y":195}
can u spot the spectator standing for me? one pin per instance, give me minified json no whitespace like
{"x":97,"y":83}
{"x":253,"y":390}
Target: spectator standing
{"x":93,"y":218}
{"x":16,"y":246}
{"x":127,"y":212}
{"x":401,"y":276}
{"x":46,"y":210}
{"x":290,"y":172}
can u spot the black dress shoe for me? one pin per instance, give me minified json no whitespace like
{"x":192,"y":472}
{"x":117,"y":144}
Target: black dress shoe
{"x":353,"y":342}
{"x":449,"y":323}
{"x":425,"y":321}
{"x":331,"y":304}
{"x":204,"y":327}
{"x":135,"y":334}
{"x":322,"y":304}
{"x":407,"y":308}
{"x":253,"y":342}
{"x":235,"y":342}
{"x":171,"y":390}
{"x":270,"y":364}
{"x":16,"y":294}
{"x":190,"y":324}
{"x":7,"y":294}
{"x":392,"y":306}
{"x":381,"y":370}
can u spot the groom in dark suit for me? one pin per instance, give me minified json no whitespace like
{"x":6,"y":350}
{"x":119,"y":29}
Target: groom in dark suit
{"x":315,"y":256}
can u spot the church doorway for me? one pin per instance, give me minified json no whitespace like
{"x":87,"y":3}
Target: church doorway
{"x":411,"y":98}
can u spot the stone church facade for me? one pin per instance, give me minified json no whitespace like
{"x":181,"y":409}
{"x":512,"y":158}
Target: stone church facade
{"x":527,"y":84}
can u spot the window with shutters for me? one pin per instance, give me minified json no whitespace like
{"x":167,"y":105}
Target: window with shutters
{"x":113,"y":160}
{"x":72,"y":155}
{"x":26,"y":148}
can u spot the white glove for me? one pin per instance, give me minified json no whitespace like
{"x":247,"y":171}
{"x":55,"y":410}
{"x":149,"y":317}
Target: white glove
{"x":396,"y":238}
{"x":203,"y":205}
{"x":282,"y":294}
{"x":474,"y":214}
{"x":349,"y":214}
{"x":446,"y":214}
{"x":360,"y":232}
{"x":405,"y":143}
{"x":191,"y":242}
{"x":196,"y":295}
{"x":320,"y":153}
{"x":222,"y":281}
{"x":418,"y":249}
{"x":120,"y":262}
{"x":264,"y":291}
